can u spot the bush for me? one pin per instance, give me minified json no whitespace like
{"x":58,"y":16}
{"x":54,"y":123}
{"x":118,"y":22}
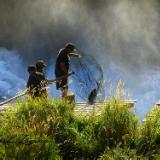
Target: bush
{"x":148,"y":142}
{"x":35,"y":128}
{"x":116,"y":123}
{"x":86,"y":142}
{"x":35,"y":125}
{"x":120,"y":154}
{"x":51,"y":130}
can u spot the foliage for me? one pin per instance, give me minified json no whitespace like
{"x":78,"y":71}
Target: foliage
{"x":120,"y":154}
{"x":116,"y":123}
{"x":51,"y":129}
{"x":148,"y":141}
{"x":28,"y":129}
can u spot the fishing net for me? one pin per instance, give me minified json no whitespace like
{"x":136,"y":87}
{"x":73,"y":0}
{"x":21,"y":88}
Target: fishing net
{"x":87,"y":82}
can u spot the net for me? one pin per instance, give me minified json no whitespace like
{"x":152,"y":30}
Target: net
{"x":87,"y":81}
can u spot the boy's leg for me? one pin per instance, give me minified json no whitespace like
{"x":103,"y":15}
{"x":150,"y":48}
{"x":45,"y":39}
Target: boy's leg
{"x":64,"y":88}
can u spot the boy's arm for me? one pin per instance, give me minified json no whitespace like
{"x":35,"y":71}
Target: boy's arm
{"x":72,"y":54}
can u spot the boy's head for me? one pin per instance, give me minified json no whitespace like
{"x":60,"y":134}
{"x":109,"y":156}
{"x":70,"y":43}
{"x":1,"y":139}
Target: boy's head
{"x":31,"y":69}
{"x":40,"y":65}
{"x":69,"y":47}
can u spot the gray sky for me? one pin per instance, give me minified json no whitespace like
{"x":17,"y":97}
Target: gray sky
{"x":124,"y":31}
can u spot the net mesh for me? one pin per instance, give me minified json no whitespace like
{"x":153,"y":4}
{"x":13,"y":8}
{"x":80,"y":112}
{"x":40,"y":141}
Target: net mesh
{"x":87,"y":82}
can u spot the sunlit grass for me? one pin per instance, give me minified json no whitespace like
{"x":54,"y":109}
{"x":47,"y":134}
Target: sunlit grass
{"x":51,"y":129}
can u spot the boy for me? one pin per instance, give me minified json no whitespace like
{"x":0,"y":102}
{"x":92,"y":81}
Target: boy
{"x":33,"y":83}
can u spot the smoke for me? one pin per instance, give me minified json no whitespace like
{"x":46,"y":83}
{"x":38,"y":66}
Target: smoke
{"x":11,"y":79}
{"x":122,"y":35}
{"x":126,"y":31}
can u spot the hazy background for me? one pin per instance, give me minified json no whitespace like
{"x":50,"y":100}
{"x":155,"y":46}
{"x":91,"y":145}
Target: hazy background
{"x":122,"y":34}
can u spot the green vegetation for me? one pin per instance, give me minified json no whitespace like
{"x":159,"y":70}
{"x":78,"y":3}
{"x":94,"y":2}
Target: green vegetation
{"x":52,"y":130}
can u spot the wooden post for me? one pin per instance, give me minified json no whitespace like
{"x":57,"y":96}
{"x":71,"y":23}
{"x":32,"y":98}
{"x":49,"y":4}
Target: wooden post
{"x":70,"y":97}
{"x":130,"y":103}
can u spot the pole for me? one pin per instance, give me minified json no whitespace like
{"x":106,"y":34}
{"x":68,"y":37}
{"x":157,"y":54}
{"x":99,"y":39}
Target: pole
{"x":25,"y":91}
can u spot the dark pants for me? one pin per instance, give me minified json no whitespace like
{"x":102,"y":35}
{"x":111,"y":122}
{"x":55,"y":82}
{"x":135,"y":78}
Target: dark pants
{"x":63,"y":83}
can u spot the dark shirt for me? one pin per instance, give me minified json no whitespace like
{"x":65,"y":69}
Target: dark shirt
{"x":41,"y":76}
{"x":61,"y":58}
{"x":42,"y":79}
{"x":33,"y":84}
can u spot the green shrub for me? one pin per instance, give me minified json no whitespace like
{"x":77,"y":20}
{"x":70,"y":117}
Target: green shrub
{"x":148,"y":142}
{"x":51,"y":130}
{"x":116,"y":123}
{"x":41,"y":122}
{"x":120,"y":154}
{"x":86,"y":142}
{"x":67,"y":135}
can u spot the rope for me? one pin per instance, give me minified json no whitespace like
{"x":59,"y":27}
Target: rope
{"x":87,"y":79}
{"x":90,"y":76}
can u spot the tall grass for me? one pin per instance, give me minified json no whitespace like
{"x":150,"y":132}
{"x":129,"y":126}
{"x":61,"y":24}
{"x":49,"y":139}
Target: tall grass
{"x":148,"y":141}
{"x":43,"y":129}
{"x":115,"y":123}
